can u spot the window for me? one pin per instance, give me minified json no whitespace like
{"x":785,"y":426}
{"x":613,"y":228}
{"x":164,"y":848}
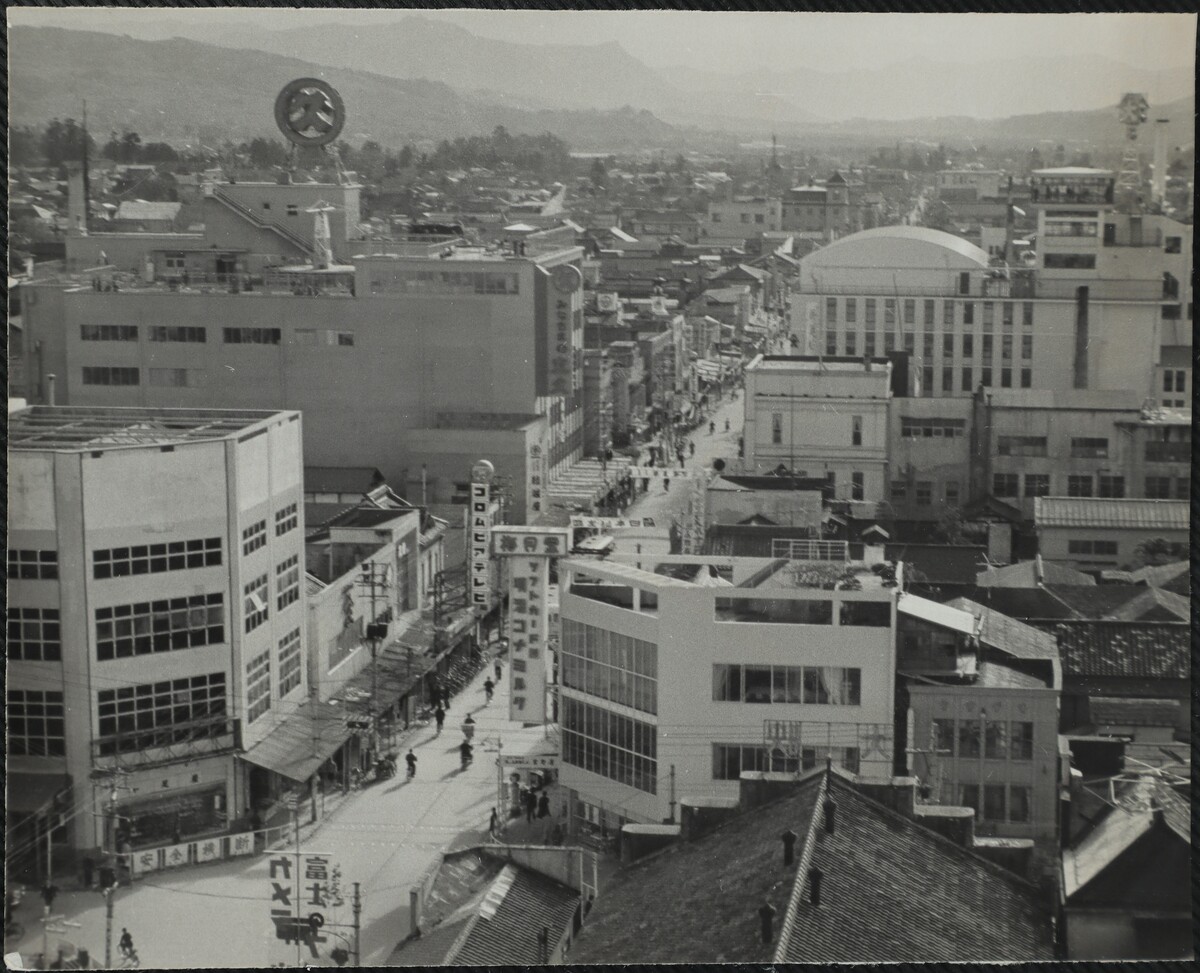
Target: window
{"x":258,"y":686}
{"x":287,"y":582}
{"x":289,"y":662}
{"x":1183,"y":488}
{"x":968,"y":314}
{"x":123,"y":562}
{"x":831,"y":310}
{"x":968,"y":346}
{"x":995,"y":740}
{"x":321,"y":336}
{"x":1005,"y":485}
{"x":927,"y":345}
{"x":856,"y":431}
{"x":1104,"y":548}
{"x":869,"y":313}
{"x":993,"y":802}
{"x":952,"y":493}
{"x":1173,"y":244}
{"x":1027,"y":316}
{"x":609,"y":744}
{"x":1020,"y":740}
{"x":889,"y":342}
{"x":968,"y":738}
{"x":869,"y":344}
{"x":851,"y":343}
{"x":899,"y":490}
{"x":889,"y":311}
{"x":989,"y":316}
{"x":968,"y":796}
{"x":254,"y":602}
{"x":985,"y":377}
{"x":730,"y":759}
{"x":1006,"y":347}
{"x":110,"y":375}
{"x":1037,"y":484}
{"x":34,"y":634}
{"x":924,"y":494}
{"x":745,"y":217}
{"x":286,"y":519}
{"x":856,"y":486}
{"x":1079,"y":485}
{"x":254,"y":537}
{"x":943,"y":736}
{"x":611,"y":666}
{"x":177,"y":378}
{"x":967,"y":385}
{"x":1021,"y":446}
{"x":910,"y":311}
{"x":927,"y":388}
{"x":947,"y":345}
{"x":776,"y":428}
{"x":947,"y":378}
{"x":988,"y":348}
{"x":1006,"y":316}
{"x":160,"y":714}
{"x":1026,"y":347}
{"x":928,"y":318}
{"x":964,"y":282}
{"x":831,"y":342}
{"x":108,"y":332}
{"x":851,"y":310}
{"x":1069,"y":261}
{"x":1110,"y":486}
{"x":1006,"y":378}
{"x":252,"y":336}
{"x":1175,"y":380}
{"x":1018,"y":803}
{"x":773,"y":611}
{"x":817,"y":685}
{"x":166,"y":625}
{"x":1158,"y":488}
{"x":910,"y":342}
{"x":831,"y":484}
{"x":1026,"y":378}
{"x":36,"y":725}
{"x":293,"y":209}
{"x":180,"y":334}
{"x":758,"y":217}
{"x":716,"y":217}
{"x":867,"y":614}
{"x":948,"y":315}
{"x":32,"y":565}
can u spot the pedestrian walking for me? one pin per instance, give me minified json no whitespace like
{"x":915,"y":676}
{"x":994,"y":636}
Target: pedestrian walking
{"x":691,"y":448}
{"x":494,"y":823}
{"x":126,"y":942}
{"x":712,"y":428}
{"x":666,"y":484}
{"x":439,"y":717}
{"x":727,"y":425}
{"x":499,"y":669}
{"x":543,"y":807}
{"x":530,"y":805}
{"x":489,"y":688}
{"x":410,"y":758}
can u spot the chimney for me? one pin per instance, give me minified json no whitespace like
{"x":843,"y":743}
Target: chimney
{"x":830,"y":815}
{"x":789,"y":847}
{"x":814,"y":885}
{"x":1159,"y":184}
{"x":50,"y":380}
{"x":766,"y":913}
{"x":76,"y":203}
{"x":1081,"y":337}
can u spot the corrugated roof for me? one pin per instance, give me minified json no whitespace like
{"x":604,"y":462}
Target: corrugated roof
{"x":304,"y":740}
{"x":1030,"y":574}
{"x":1121,"y":514}
{"x":1154,"y":650}
{"x":140,"y":209}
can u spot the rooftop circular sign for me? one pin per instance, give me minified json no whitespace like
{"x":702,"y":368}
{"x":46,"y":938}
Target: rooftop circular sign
{"x":309,"y":112}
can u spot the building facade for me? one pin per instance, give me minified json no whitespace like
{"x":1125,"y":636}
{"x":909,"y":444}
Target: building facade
{"x":1093,"y":534}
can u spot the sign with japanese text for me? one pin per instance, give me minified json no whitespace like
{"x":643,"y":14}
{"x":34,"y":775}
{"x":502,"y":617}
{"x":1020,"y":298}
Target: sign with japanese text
{"x":529,"y":621}
{"x":610,"y":523}
{"x":480,"y":514}
{"x":530,"y":541}
{"x":663,"y":472}
{"x":300,"y":886}
{"x":535,"y":483}
{"x":541,"y":761}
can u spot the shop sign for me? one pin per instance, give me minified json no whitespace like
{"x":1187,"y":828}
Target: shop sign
{"x":528,"y":623}
{"x":663,"y":473}
{"x":535,"y":485}
{"x":530,"y":541}
{"x":299,"y":884}
{"x":241,"y":844}
{"x":608,"y":523}
{"x":481,"y":521}
{"x":541,"y":761}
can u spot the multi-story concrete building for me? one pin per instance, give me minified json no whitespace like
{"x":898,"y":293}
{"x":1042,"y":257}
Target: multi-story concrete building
{"x":828,"y":419}
{"x":156,"y":610}
{"x":1097,"y":317}
{"x":678,"y":674}
{"x":733,"y":221}
{"x":423,"y":353}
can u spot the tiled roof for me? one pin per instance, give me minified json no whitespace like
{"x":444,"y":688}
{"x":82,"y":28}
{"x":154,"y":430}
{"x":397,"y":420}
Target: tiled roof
{"x":138,"y":209}
{"x":1097,"y":512}
{"x":1007,"y":634}
{"x":1155,"y":650}
{"x":894,"y":891}
{"x":1118,"y":602}
{"x":1153,"y":603}
{"x":996,"y":675}
{"x":697,"y":901}
{"x":1108,"y":710}
{"x":1172,"y":577}
{"x":1029,"y":574}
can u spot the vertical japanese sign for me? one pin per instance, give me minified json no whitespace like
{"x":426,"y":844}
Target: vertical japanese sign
{"x":480,"y":524}
{"x":535,"y":483}
{"x":301,"y":887}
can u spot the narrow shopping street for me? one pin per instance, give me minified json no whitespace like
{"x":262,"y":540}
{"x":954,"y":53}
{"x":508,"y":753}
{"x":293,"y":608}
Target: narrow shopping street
{"x":384,"y":836}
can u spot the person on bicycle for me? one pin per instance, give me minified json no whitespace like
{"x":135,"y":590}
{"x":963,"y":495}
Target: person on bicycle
{"x":125,"y":943}
{"x":466,"y":750}
{"x":410,"y":758}
{"x":499,"y":669}
{"x":489,"y":688}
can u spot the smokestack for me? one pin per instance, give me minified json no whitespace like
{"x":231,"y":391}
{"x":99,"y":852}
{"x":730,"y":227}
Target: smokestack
{"x":766,"y":914}
{"x":1008,"y":223}
{"x":1081,"y":338}
{"x":814,"y":885}
{"x":789,"y":847}
{"x":1158,"y":185}
{"x":830,"y":815}
{"x":50,"y":380}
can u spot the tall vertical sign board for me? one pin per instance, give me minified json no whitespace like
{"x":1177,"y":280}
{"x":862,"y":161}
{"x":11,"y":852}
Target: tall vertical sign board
{"x":480,"y":523}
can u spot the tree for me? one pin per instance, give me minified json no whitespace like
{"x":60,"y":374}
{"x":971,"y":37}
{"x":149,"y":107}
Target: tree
{"x":1159,"y":550}
{"x":950,"y":525}
{"x":598,"y":174}
{"x":64,"y":142}
{"x":264,"y":153}
{"x":23,"y":148}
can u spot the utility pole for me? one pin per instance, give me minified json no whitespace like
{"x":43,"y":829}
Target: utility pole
{"x":357,"y":907}
{"x":296,"y":825}
{"x":375,"y":577}
{"x":672,"y":801}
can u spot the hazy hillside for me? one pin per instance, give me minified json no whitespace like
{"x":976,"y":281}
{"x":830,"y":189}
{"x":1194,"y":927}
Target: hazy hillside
{"x":179,"y":87}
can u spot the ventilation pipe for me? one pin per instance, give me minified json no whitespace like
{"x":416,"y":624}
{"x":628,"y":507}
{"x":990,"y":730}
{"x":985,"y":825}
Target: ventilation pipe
{"x":814,"y":885}
{"x":789,"y":848}
{"x":766,"y":915}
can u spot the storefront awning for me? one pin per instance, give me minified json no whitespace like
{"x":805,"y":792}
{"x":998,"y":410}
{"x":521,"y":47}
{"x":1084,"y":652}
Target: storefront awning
{"x":27,"y":793}
{"x":299,"y":745}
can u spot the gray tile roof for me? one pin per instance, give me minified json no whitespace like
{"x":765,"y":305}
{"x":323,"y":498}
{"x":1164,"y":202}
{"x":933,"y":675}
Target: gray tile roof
{"x":1097,"y":512}
{"x":1155,"y":650}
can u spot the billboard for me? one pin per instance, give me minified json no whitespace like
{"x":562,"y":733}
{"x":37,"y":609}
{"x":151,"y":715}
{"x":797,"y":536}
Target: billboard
{"x":529,"y":621}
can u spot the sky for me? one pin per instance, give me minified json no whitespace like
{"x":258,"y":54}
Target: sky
{"x":724,"y":42}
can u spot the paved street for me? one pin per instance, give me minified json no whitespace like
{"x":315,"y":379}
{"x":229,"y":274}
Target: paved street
{"x":384,"y":837}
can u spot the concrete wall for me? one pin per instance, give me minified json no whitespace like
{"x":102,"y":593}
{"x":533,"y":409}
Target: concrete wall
{"x":1053,"y":544}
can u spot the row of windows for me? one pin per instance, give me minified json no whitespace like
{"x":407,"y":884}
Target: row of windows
{"x":254,"y":537}
{"x":287,"y":582}
{"x":990,"y":739}
{"x":1078,"y":485}
{"x":252,"y":336}
{"x":1159,"y":488}
{"x":611,"y":745}
{"x":445,"y":282}
{"x":322,"y":336}
{"x":187,"y":334}
{"x":1021,"y":446}
{"x":254,"y":605}
{"x":285,"y":519}
{"x":1009,"y":485}
{"x":110,"y":375}
{"x":30,"y":565}
{"x":798,"y":611}
{"x":182,"y":334}
{"x":950,"y":313}
{"x":1105,"y":548}
{"x":610,"y":648}
{"x":890,"y":343}
{"x":123,"y":562}
{"x":35,"y":723}
{"x":258,"y":686}
{"x":34,"y":634}
{"x":932,"y":428}
{"x":108,"y":332}
{"x":608,"y":682}
{"x":730,"y":759}
{"x":995,"y":806}
{"x":167,"y":625}
{"x":819,"y":685}
{"x":289,"y":662}
{"x":160,"y":714}
{"x":923,"y":492}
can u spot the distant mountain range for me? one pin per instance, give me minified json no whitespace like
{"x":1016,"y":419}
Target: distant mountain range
{"x":419,"y":78}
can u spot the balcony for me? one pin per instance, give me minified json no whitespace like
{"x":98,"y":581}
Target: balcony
{"x":1168,"y":452}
